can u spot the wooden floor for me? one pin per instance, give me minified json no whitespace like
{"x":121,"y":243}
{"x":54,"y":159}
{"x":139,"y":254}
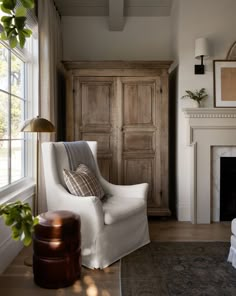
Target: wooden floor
{"x":17,"y":280}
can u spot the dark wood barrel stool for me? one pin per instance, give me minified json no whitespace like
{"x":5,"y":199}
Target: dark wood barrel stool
{"x":57,"y":252}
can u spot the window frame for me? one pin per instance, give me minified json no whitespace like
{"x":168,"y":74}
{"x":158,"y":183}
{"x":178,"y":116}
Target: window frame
{"x":29,"y":55}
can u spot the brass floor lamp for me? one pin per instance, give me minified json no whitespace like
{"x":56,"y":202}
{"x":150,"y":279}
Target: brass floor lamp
{"x":37,"y":125}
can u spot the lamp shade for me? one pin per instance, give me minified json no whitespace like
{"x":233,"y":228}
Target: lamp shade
{"x":38,"y":125}
{"x":201,"y":48}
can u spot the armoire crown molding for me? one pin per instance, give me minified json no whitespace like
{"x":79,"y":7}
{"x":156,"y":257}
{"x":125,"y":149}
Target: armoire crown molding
{"x":69,"y":65}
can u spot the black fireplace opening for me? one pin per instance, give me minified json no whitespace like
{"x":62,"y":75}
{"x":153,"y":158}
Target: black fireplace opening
{"x":227,"y":188}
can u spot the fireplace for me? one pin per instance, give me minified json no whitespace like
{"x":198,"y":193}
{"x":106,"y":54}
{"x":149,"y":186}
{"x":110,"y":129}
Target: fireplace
{"x":227,"y":188}
{"x":211,"y":134}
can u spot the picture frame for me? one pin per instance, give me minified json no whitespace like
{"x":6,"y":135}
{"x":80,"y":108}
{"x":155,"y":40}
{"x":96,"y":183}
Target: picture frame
{"x":224,"y":74}
{"x":231,"y":55}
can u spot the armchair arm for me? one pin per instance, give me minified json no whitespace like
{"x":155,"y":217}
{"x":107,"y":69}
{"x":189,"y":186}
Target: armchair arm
{"x":89,"y":208}
{"x":129,"y":191}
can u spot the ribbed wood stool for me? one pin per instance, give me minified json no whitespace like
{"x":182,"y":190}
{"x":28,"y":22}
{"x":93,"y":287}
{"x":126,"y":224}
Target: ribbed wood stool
{"x":56,"y":246}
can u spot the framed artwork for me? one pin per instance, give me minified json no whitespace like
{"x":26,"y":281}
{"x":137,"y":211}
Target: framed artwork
{"x":231,"y":55}
{"x":224,"y":72}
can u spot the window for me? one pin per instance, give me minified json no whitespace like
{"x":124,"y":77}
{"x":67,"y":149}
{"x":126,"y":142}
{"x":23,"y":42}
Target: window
{"x":18,"y":101}
{"x":12,"y":113}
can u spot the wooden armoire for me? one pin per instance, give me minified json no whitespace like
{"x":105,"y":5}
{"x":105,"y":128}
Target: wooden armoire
{"x":124,"y":107}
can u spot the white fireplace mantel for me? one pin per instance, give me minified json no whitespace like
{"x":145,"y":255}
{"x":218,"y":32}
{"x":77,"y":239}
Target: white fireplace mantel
{"x":206,"y":128}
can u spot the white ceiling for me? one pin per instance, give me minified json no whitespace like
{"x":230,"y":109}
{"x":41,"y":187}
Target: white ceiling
{"x":103,"y":7}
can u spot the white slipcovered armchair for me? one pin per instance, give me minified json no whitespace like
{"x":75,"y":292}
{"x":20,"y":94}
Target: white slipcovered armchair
{"x":110,"y":229}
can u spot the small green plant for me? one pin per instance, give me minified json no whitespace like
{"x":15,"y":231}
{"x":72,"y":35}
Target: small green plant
{"x":19,"y":216}
{"x":14,"y":22}
{"x":198,"y":95}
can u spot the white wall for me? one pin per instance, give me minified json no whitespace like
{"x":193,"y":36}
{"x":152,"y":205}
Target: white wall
{"x":143,"y":38}
{"x":214,"y":19}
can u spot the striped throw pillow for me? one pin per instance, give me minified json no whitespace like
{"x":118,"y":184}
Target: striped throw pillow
{"x":83,"y":182}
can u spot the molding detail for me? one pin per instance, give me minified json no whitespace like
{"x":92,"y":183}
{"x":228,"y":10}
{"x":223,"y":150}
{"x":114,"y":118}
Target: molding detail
{"x":210,"y":112}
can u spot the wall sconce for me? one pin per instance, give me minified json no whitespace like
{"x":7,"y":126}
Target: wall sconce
{"x":201,"y":51}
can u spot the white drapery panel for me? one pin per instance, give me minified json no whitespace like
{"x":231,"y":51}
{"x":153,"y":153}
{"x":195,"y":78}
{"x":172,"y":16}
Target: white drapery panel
{"x":50,"y":55}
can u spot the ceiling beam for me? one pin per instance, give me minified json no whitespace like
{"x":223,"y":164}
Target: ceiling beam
{"x":116,"y":18}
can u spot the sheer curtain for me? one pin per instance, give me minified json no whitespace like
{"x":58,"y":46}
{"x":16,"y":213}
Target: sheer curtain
{"x":50,"y":55}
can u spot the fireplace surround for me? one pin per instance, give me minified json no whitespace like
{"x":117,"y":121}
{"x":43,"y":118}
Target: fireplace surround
{"x":220,"y":155}
{"x":227,"y":188}
{"x":207,"y":128}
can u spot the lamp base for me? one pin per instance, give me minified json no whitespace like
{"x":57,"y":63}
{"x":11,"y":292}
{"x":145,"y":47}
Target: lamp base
{"x":199,"y":69}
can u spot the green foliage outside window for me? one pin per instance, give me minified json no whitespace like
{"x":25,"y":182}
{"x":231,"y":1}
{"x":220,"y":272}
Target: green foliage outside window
{"x":14,"y":21}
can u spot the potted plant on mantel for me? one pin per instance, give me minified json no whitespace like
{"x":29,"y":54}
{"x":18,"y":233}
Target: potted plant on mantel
{"x":198,"y":95}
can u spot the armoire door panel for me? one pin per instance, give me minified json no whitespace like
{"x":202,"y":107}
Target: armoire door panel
{"x":96,"y":103}
{"x":103,"y":140}
{"x":138,"y":141}
{"x":105,"y":166}
{"x":138,"y":109}
{"x":139,"y":171}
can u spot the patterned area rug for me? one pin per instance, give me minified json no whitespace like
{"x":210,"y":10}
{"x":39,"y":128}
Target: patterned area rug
{"x":179,"y":269}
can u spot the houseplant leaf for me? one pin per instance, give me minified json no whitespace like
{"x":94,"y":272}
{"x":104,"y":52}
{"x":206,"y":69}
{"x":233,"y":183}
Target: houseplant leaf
{"x":13,"y":41}
{"x":21,"y":11}
{"x":19,"y":216}
{"x":22,"y":39}
{"x":8,"y":11}
{"x":20,"y":22}
{"x":27,"y":32}
{"x":9,"y":4}
{"x":27,"y":3}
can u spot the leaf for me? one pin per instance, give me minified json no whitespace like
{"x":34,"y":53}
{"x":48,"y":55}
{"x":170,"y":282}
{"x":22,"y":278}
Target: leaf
{"x":5,"y":9}
{"x":27,"y":32}
{"x":6,"y":19}
{"x":9,"y":220}
{"x":20,"y":22}
{"x":21,"y":11}
{"x":10,"y":32}
{"x":9,"y":4}
{"x":27,"y":234}
{"x":27,"y":3}
{"x":36,"y":221}
{"x":3,"y":37}
{"x":21,"y":39}
{"x":16,"y":231}
{"x":13,"y":41}
{"x":27,"y":240}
